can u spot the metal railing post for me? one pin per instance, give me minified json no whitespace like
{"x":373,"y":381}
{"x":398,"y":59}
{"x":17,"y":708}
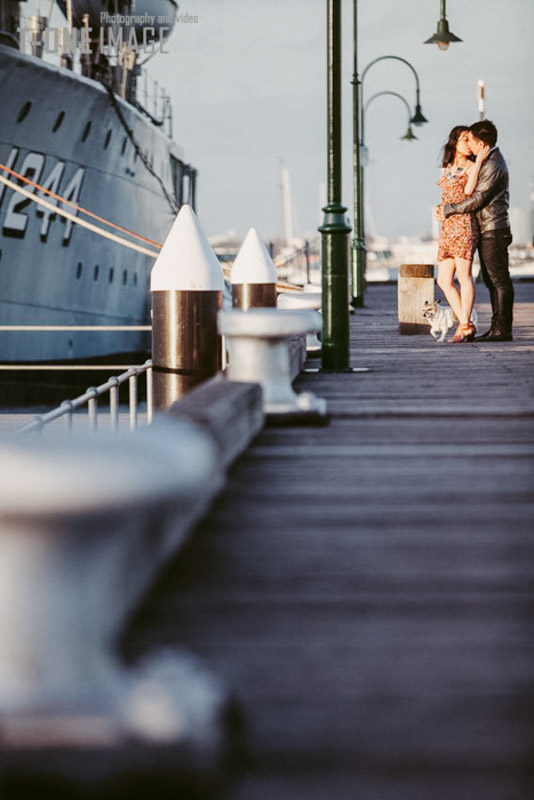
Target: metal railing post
{"x":132,"y":383}
{"x":68,"y":416}
{"x":114,"y":403}
{"x":92,"y":408}
{"x":149,"y":393}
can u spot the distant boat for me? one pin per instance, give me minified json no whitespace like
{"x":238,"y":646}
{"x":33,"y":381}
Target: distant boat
{"x":87,"y":138}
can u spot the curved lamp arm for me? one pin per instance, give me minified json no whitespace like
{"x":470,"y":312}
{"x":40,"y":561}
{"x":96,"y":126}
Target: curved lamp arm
{"x":418,"y":118}
{"x":409,"y":133}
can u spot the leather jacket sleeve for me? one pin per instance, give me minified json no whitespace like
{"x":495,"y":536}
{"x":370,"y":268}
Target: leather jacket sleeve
{"x":492,"y":175}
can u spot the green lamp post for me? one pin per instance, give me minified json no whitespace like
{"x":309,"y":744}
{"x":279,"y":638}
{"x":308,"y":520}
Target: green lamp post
{"x":335,"y":230}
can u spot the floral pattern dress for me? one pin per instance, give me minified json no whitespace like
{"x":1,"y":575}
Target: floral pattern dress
{"x":459,"y":232}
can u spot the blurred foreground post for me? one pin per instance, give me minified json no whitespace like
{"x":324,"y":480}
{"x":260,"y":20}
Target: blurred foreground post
{"x":186,"y":287}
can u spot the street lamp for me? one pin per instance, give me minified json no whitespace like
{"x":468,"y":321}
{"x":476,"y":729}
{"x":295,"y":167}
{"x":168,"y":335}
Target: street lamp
{"x":418,"y":118}
{"x":409,"y":135}
{"x":443,"y":37}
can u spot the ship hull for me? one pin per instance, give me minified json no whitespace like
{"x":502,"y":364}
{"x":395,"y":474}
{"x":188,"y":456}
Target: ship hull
{"x":63,"y":131}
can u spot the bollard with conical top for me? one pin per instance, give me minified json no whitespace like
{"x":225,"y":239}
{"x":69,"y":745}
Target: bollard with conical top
{"x":253,"y":275}
{"x":186,"y":286}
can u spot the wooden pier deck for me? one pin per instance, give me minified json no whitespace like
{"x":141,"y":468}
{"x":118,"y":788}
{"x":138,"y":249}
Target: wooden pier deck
{"x":367,"y":588}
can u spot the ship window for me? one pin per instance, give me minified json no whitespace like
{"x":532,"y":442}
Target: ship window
{"x":24,"y":111}
{"x":95,"y":273}
{"x":135,"y":278}
{"x":125,"y":277}
{"x":59,"y":120}
{"x":111,"y":273}
{"x":108,"y":138}
{"x":79,"y":270}
{"x":177,"y":177}
{"x":124,"y":143}
{"x":86,"y":131}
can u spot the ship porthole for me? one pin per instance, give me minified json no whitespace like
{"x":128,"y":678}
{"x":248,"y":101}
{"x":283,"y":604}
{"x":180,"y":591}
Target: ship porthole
{"x":24,"y":111}
{"x":111,"y":273}
{"x":59,"y":120}
{"x":125,"y":277}
{"x":86,"y":131}
{"x":95,"y":273}
{"x":79,"y":270}
{"x":108,"y":139}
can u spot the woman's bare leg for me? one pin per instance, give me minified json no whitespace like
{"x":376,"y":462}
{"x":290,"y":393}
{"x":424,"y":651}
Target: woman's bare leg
{"x":467,"y":288}
{"x":446,"y":270}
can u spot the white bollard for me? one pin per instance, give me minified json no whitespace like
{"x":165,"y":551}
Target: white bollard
{"x":259,"y":346}
{"x":253,"y":275}
{"x":186,"y":286}
{"x":85,"y":525}
{"x":306,"y":299}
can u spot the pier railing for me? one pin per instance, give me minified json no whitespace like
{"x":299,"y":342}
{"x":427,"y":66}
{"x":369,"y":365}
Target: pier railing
{"x":90,"y":399}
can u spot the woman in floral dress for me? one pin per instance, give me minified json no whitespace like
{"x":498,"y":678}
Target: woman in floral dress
{"x":459,"y":233}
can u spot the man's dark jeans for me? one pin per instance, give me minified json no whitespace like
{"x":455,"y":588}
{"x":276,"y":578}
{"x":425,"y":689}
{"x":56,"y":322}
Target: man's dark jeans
{"x":493,"y":253}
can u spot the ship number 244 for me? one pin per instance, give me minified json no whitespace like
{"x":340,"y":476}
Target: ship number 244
{"x":16,"y":215}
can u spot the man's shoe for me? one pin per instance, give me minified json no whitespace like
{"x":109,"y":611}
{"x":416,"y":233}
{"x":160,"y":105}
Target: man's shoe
{"x":484,"y":336}
{"x":497,"y":336}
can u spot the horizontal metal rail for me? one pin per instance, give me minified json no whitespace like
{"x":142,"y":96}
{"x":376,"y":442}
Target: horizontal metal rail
{"x":37,"y":328}
{"x":90,"y":399}
{"x":61,"y":367}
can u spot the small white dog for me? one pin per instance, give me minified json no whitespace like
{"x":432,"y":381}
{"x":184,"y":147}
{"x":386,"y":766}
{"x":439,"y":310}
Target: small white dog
{"x":441,"y":319}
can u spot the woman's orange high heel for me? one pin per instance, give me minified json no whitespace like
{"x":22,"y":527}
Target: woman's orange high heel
{"x":463,"y":333}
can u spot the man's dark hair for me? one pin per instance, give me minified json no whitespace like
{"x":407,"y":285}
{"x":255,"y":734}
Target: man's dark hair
{"x":485,"y":130}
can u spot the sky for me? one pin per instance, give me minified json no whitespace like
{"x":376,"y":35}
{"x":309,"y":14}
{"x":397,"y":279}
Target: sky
{"x":247,"y":79}
{"x":248,"y":85}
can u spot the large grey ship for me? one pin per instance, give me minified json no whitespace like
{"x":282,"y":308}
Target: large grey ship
{"x":85,"y":135}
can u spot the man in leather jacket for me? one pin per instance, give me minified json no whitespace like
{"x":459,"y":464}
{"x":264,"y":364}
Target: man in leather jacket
{"x":490,"y":202}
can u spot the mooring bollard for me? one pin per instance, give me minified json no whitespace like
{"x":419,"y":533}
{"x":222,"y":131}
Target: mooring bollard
{"x":253,"y":275}
{"x":259,"y":341}
{"x":305,"y":299}
{"x":85,"y":525}
{"x":415,"y":286}
{"x":186,"y":286}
